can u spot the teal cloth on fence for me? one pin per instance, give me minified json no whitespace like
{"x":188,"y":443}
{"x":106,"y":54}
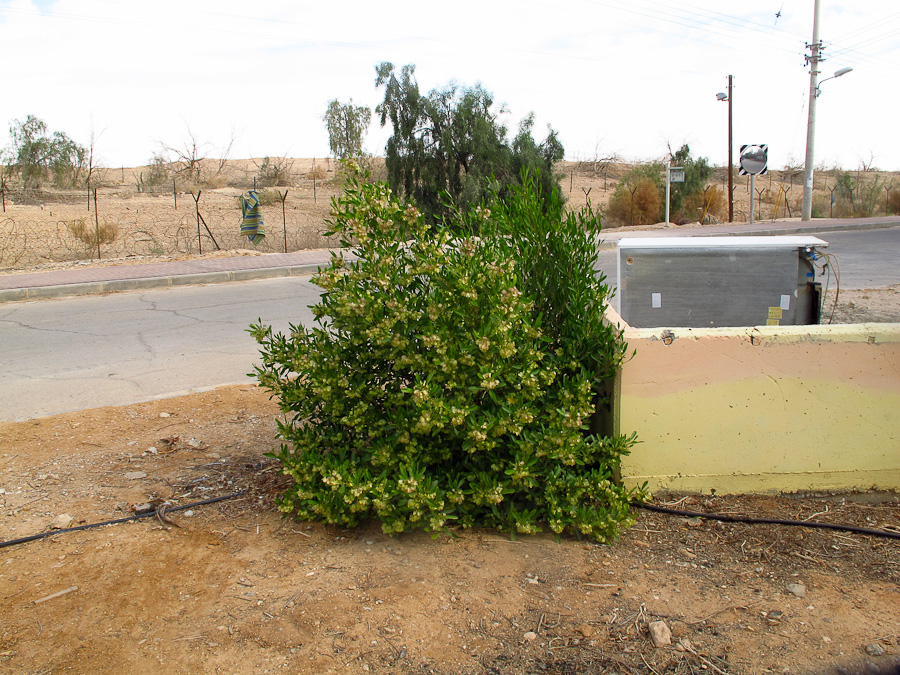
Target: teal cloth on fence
{"x":252,"y":222}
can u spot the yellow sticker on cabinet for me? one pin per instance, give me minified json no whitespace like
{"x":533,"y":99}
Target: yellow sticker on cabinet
{"x":773,"y":322}
{"x":775,"y":313}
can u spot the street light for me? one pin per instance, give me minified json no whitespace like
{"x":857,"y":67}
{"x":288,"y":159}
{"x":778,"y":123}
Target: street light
{"x":815,"y":91}
{"x":813,"y":60}
{"x":837,"y":73}
{"x":721,"y":96}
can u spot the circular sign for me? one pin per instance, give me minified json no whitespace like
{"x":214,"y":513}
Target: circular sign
{"x":754,"y":159}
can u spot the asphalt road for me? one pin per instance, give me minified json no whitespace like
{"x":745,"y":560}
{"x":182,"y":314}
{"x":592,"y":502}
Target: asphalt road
{"x":85,"y":352}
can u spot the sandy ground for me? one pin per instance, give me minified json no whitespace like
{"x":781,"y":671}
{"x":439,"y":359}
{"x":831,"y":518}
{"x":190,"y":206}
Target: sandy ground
{"x":232,"y":587}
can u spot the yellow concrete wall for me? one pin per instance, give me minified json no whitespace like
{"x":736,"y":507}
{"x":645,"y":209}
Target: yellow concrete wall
{"x":764,"y":409}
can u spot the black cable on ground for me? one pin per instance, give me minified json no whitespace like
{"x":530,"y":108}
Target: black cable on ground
{"x":53,"y":533}
{"x":767,"y":521}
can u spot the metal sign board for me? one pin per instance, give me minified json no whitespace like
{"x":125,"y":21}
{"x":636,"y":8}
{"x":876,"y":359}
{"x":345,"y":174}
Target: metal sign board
{"x":754,"y":160}
{"x":676,"y":174}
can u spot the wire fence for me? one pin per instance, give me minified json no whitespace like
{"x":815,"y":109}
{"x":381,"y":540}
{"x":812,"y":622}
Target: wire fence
{"x":39,"y":227}
{"x":128,"y":217}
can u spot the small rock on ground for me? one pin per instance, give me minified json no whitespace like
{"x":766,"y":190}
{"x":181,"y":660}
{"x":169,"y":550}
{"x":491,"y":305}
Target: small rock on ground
{"x":61,"y":522}
{"x":874,"y":649}
{"x":660,"y":633}
{"x":797,"y":590}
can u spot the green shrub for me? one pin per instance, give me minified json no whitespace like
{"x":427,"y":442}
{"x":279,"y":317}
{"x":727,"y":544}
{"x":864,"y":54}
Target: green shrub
{"x":429,"y":394}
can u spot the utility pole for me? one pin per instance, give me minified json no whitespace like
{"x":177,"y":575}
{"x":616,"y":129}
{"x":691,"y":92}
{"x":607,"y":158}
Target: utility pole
{"x":730,"y":146}
{"x":813,"y":59}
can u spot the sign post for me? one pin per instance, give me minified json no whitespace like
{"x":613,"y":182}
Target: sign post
{"x":674,"y":174}
{"x":754,"y":161}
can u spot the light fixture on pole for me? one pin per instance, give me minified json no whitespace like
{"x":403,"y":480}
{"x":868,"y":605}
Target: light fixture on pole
{"x":721,"y":96}
{"x":837,"y":73}
{"x":806,"y":210}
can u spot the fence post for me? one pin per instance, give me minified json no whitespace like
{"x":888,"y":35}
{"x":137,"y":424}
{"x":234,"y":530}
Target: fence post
{"x":174,"y":193}
{"x":197,"y":207}
{"x":3,"y":194}
{"x":284,"y":219}
{"x":96,"y":219}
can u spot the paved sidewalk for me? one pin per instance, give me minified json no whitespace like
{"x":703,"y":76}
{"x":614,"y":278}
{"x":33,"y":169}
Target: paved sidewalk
{"x":127,"y":277}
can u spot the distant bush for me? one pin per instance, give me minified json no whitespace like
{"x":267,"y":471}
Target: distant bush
{"x":317,"y":173}
{"x":639,"y":198}
{"x":88,"y":233}
{"x":711,"y":202}
{"x":892,"y":201}
{"x":274,"y":171}
{"x":157,"y":171}
{"x":636,"y":201}
{"x":855,"y":198}
{"x":269,"y":196}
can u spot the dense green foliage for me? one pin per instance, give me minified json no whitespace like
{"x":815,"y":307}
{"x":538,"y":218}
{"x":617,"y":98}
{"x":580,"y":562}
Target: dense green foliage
{"x":452,"y":143}
{"x":443,"y":383}
{"x":640,"y":197}
{"x":36,"y":155}
{"x":347,"y":125}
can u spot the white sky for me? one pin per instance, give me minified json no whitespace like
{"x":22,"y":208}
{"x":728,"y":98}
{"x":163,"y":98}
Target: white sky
{"x":623,"y":76}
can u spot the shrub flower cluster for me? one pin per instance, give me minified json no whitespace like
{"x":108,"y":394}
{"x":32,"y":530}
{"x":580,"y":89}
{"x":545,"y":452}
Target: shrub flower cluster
{"x":426,"y":395}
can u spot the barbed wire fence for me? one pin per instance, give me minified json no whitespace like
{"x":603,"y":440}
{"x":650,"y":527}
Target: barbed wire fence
{"x":135,"y":220}
{"x":126,"y":215}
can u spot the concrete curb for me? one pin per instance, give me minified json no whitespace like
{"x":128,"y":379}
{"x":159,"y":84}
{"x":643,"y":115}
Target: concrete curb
{"x":119,"y":285}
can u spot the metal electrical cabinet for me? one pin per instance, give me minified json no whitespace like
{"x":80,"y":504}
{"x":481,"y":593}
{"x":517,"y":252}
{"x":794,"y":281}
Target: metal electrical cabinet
{"x":695,"y":282}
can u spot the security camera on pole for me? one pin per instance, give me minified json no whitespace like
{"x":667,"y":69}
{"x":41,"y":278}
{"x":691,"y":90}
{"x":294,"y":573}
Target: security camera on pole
{"x":754,"y":162}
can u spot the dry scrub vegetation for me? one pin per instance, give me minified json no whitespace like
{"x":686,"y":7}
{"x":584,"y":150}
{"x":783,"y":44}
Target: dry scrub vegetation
{"x":150,"y":211}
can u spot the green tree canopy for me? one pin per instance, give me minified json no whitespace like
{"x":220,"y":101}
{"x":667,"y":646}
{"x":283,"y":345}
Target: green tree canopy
{"x":452,"y":142}
{"x":36,"y":155}
{"x":347,"y":125}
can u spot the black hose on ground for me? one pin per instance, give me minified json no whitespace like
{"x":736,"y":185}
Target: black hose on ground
{"x":640,"y":505}
{"x":767,"y":521}
{"x":53,"y":533}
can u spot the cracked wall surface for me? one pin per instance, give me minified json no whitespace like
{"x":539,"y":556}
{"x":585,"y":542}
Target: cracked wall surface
{"x":762,"y":409}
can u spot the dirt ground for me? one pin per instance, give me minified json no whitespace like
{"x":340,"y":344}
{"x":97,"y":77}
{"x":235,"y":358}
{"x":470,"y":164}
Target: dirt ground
{"x":232,"y":587}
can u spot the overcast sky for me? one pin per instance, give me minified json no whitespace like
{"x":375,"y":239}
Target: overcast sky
{"x":611,"y":76}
